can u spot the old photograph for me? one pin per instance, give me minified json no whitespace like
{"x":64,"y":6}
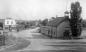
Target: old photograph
{"x":42,"y":26}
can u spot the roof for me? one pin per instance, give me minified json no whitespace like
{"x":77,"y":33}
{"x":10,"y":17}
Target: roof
{"x":57,"y":21}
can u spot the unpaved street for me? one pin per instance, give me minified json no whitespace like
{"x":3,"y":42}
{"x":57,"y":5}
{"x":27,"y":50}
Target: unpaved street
{"x":41,"y":43}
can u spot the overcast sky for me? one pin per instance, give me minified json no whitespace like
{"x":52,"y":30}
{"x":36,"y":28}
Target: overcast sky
{"x":37,"y":9}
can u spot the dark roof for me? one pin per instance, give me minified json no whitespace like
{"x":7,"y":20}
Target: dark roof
{"x":56,"y":22}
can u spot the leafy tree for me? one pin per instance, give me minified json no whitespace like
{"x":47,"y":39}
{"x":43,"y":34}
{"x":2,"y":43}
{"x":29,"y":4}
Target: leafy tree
{"x":53,"y":18}
{"x":75,"y":20}
{"x":44,"y":22}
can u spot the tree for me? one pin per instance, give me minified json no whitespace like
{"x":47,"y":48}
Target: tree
{"x":44,"y":22}
{"x":53,"y":18}
{"x":75,"y":20}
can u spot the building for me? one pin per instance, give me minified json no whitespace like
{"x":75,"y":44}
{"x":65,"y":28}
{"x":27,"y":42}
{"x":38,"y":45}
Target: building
{"x":9,"y":24}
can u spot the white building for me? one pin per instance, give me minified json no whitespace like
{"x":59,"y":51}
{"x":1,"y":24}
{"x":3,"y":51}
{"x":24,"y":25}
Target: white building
{"x":10,"y":24}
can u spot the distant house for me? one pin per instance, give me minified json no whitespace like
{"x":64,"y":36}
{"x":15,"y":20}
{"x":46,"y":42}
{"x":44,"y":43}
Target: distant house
{"x":9,"y":24}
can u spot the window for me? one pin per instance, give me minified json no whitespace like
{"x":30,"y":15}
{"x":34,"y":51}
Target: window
{"x":7,"y":22}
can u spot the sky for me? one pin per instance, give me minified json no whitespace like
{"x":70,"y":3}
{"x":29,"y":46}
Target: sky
{"x":37,"y":9}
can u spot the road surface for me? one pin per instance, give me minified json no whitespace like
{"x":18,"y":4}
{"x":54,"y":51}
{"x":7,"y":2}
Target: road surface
{"x":41,"y":43}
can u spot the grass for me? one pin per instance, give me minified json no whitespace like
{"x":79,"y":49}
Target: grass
{"x":16,"y":43}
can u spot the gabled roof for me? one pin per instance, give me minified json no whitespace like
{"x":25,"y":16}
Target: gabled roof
{"x":56,"y":22}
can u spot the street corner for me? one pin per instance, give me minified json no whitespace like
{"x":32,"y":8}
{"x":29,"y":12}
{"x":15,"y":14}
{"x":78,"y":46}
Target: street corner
{"x":20,"y":44}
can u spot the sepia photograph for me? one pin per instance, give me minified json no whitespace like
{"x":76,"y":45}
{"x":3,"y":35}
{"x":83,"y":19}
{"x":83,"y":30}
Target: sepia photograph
{"x":42,"y":26}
